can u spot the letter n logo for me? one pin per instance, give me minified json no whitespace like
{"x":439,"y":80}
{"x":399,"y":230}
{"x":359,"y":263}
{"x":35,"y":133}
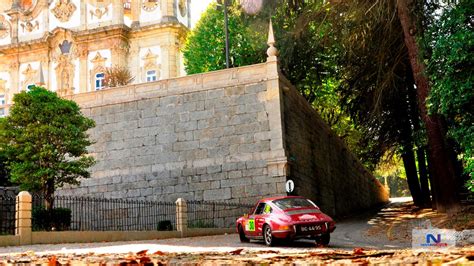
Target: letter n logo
{"x":431,"y":237}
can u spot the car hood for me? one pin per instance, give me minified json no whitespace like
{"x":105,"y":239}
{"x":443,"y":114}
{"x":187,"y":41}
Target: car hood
{"x":307,"y":215}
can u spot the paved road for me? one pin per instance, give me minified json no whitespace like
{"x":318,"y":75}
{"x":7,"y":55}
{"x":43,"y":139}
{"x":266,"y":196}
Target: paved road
{"x":349,"y":234}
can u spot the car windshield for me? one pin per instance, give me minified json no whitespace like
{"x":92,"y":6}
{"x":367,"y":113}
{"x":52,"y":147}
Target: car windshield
{"x":289,"y":203}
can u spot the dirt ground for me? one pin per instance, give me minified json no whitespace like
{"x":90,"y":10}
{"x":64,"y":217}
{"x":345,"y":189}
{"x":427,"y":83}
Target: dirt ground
{"x":396,"y":221}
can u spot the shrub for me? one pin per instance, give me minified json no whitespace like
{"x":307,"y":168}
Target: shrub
{"x":58,"y":219}
{"x":117,"y":76}
{"x":165,"y":226}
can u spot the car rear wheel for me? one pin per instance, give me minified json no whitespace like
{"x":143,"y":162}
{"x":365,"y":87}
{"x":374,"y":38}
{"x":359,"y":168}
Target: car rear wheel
{"x":267,"y":236}
{"x":323,"y":239}
{"x":242,"y":236}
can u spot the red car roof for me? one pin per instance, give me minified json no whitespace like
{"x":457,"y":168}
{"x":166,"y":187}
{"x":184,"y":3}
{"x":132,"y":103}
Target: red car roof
{"x":281,"y":197}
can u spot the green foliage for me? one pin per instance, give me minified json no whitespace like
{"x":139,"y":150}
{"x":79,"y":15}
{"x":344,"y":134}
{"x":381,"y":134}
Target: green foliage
{"x":4,"y":180}
{"x":205,"y":47}
{"x":308,"y":53}
{"x":58,"y":219}
{"x":45,"y":141}
{"x":451,"y":70}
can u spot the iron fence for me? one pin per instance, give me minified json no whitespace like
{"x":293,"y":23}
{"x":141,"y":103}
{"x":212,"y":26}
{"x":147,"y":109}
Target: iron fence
{"x":100,"y":214}
{"x":7,"y":215}
{"x":203,"y":214}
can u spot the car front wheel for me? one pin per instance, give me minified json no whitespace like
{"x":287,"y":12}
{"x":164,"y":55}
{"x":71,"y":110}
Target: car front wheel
{"x":323,"y":239}
{"x":267,"y":236}
{"x":242,"y":236}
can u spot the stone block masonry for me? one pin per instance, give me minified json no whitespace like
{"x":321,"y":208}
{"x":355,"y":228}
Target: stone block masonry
{"x":201,"y":137}
{"x":224,"y":135}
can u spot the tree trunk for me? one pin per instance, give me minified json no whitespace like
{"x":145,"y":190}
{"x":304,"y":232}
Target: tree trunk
{"x":408,"y":158}
{"x":423,"y":173}
{"x":443,"y":167}
{"x":49,"y":195}
{"x":434,"y":185}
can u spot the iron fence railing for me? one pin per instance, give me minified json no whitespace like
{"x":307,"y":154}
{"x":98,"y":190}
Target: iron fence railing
{"x":100,"y":214}
{"x":7,"y":215}
{"x":203,"y":214}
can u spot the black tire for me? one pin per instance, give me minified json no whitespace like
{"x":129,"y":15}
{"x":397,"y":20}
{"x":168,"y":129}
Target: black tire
{"x":242,"y":236}
{"x":323,"y":239}
{"x":268,"y":236}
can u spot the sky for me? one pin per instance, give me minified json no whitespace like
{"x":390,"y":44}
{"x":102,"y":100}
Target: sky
{"x":197,"y":7}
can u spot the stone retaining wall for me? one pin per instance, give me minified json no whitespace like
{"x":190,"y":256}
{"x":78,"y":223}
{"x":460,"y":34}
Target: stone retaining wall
{"x":226,"y":135}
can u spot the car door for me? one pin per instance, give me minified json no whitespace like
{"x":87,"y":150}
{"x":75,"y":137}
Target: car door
{"x":251,"y":228}
{"x":261,"y":214}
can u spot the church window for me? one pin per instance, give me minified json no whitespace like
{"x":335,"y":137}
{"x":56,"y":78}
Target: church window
{"x":99,"y":81}
{"x":151,"y":75}
{"x":29,"y":87}
{"x":2,"y":112}
{"x":2,"y":99}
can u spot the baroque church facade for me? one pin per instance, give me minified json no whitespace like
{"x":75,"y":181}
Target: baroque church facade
{"x":66,"y":45}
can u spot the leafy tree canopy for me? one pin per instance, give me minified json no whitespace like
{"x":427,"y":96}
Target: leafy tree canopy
{"x":44,"y":139}
{"x":205,"y":47}
{"x":451,"y":69}
{"x":308,"y":52}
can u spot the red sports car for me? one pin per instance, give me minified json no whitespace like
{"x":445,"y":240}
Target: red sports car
{"x":286,"y":217}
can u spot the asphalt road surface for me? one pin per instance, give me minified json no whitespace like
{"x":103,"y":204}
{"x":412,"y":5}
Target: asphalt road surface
{"x":349,"y":234}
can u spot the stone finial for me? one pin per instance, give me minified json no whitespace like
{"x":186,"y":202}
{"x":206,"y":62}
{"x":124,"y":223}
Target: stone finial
{"x":41,"y":76}
{"x":272,"y":51}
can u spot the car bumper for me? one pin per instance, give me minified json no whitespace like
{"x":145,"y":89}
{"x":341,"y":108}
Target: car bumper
{"x":294,"y":234}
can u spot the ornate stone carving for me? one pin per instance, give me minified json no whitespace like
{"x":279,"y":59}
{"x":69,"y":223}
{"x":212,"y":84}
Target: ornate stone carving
{"x":3,"y":85}
{"x":182,"y":7}
{"x":100,"y":3}
{"x":14,"y":65}
{"x":150,"y":5}
{"x":82,"y":51}
{"x":4,"y":27}
{"x":99,"y":12}
{"x":29,"y":26}
{"x":99,"y":66}
{"x":150,"y":64}
{"x":120,"y":46}
{"x":27,"y":4}
{"x":30,"y":75}
{"x":63,"y":10}
{"x":64,"y":75}
{"x":150,"y":60}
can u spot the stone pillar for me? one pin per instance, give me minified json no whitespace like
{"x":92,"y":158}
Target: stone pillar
{"x":169,"y":60}
{"x":134,"y":62}
{"x":14,"y":26}
{"x":23,"y":217}
{"x":136,"y":10}
{"x":83,"y":10}
{"x":117,"y":12}
{"x":83,"y":71}
{"x":168,"y":10}
{"x":119,"y":52}
{"x":181,"y":216}
{"x":15,"y":78}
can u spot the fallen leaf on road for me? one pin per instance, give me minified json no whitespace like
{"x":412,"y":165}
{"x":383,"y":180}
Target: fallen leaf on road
{"x":159,"y":253}
{"x":143,"y":252}
{"x":358,"y":251}
{"x":269,"y":251}
{"x":52,"y":261}
{"x":236,"y":252}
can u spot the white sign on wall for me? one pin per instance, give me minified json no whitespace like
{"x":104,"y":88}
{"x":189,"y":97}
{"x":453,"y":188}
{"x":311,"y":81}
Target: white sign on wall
{"x":290,"y":186}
